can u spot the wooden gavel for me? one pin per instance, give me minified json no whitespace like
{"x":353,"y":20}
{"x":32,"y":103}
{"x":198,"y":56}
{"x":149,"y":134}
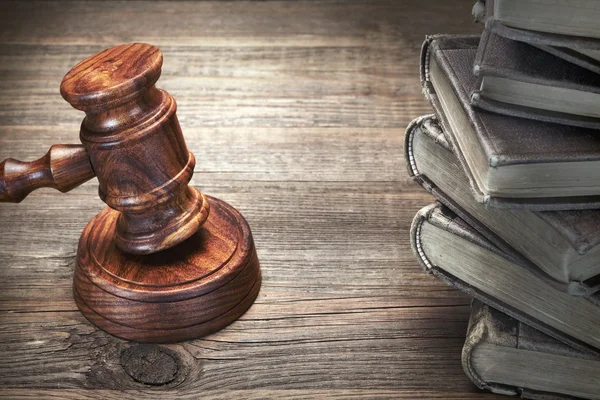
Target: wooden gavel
{"x":162,"y":262}
{"x":132,"y":142}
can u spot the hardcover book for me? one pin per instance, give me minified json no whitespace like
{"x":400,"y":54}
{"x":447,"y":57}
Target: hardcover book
{"x":506,"y":356}
{"x":453,"y":251}
{"x":511,"y":162}
{"x":584,"y":51}
{"x":561,"y":247}
{"x":523,"y":81}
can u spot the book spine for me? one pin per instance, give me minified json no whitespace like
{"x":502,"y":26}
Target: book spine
{"x":408,"y":143}
{"x":490,"y":326}
{"x":485,"y":328}
{"x":437,"y":215}
{"x":415,"y":235}
{"x":428,"y":125}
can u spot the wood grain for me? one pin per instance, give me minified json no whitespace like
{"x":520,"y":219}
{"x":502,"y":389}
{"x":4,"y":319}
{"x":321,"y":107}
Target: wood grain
{"x":304,"y":104}
{"x":154,"y":266}
{"x":63,"y":167}
{"x":188,"y":291}
{"x":136,"y":147}
{"x":111,"y":78}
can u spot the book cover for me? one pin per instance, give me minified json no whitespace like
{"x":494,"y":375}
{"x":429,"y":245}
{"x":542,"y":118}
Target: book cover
{"x":580,"y":51}
{"x":497,"y":343}
{"x":454,"y":252}
{"x":504,"y":156}
{"x":570,"y":92}
{"x":557,"y":244}
{"x":483,"y":11}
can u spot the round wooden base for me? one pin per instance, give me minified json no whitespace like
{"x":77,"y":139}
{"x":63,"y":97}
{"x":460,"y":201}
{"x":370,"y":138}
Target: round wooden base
{"x":185,"y":292}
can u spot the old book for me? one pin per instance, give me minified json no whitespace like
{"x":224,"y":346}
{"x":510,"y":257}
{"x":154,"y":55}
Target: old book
{"x":523,"y":81}
{"x":516,"y":162}
{"x":565,"y":17}
{"x":456,"y":253}
{"x":582,"y":51}
{"x":565,"y":245}
{"x":506,"y":356}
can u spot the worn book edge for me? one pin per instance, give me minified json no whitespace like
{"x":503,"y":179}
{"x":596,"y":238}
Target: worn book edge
{"x":574,"y":77}
{"x":560,"y":47}
{"x":483,"y":11}
{"x":427,"y":125}
{"x":482,"y":68}
{"x":490,"y":326}
{"x":440,"y":42}
{"x":479,"y":100}
{"x":437,"y":215}
{"x":484,"y":329}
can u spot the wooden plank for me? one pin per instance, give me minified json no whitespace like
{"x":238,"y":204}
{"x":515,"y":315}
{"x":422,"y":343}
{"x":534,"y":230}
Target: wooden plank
{"x":340,"y":86}
{"x":344,"y":226}
{"x":367,"y":78}
{"x":290,"y":351}
{"x":256,"y":394}
{"x":260,"y":154}
{"x":304,"y":104}
{"x":233,"y":24}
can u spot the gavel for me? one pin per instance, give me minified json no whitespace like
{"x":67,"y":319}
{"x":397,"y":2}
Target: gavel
{"x":163,"y":262}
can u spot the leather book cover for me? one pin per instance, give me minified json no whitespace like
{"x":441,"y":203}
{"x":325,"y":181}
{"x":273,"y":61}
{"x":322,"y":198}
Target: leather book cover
{"x":564,"y":47}
{"x":518,"y":61}
{"x":504,"y":139}
{"x":438,"y":215}
{"x":572,"y":56}
{"x":581,"y":228}
{"x":490,"y":326}
{"x":483,"y":11}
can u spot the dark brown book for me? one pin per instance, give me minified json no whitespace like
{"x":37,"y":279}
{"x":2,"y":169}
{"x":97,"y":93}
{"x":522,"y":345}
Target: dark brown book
{"x":506,"y":356}
{"x":511,"y":162}
{"x":523,"y":81}
{"x":456,"y":253}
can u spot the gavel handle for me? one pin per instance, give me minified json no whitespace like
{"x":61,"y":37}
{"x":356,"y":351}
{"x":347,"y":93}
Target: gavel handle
{"x":63,"y":167}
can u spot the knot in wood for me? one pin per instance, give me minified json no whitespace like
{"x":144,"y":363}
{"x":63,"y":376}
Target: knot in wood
{"x":150,"y":364}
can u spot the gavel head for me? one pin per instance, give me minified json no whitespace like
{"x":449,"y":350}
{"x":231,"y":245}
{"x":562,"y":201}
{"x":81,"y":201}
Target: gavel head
{"x":136,"y":147}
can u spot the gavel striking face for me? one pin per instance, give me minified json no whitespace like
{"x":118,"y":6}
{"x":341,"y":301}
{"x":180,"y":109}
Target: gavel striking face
{"x":154,"y":238}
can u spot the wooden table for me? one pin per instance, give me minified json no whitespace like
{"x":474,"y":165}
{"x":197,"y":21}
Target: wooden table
{"x":305,"y":105}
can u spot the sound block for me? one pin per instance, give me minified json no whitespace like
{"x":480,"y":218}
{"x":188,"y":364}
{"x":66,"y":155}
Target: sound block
{"x":187,"y":291}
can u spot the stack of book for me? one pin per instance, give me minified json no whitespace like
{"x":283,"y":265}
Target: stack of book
{"x":512,"y":154}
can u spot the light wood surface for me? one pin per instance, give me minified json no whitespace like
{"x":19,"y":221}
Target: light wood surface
{"x":304,"y":105}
